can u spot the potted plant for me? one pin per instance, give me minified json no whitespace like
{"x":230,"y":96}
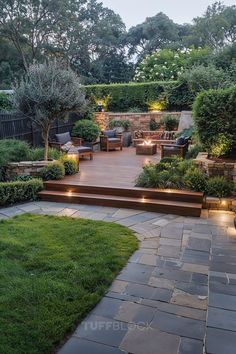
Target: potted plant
{"x":170,"y":122}
{"x":122,"y":126}
{"x":87,"y":130}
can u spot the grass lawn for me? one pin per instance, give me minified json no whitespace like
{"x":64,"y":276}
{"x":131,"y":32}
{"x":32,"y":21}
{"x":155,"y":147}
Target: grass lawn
{"x":52,"y":272}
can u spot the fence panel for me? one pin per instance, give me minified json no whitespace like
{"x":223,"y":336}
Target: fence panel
{"x":18,"y":126}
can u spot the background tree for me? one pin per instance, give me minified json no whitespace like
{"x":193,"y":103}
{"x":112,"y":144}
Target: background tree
{"x":156,"y":32}
{"x":217,"y":27}
{"x":48,"y":92}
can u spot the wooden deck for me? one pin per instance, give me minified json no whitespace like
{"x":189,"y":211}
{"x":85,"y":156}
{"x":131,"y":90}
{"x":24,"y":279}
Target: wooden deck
{"x":113,"y":168}
{"x":109,"y":180}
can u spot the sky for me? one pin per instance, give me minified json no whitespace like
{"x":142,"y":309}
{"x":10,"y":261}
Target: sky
{"x":134,"y":12}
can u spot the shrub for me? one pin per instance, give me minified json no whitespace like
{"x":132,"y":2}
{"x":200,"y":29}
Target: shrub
{"x":166,"y":174}
{"x":214,"y":113}
{"x":12,"y":150}
{"x":5,"y":102}
{"x":199,"y":78}
{"x":71,"y":166}
{"x":86,"y":129}
{"x":195,"y":179}
{"x":118,"y":123}
{"x":149,"y":177}
{"x":135,"y":110}
{"x":218,"y":187}
{"x":167,"y":64}
{"x":154,"y":125}
{"x":139,"y":95}
{"x":221,"y":145}
{"x":53,"y":171}
{"x":19,"y":191}
{"x":194,"y":151}
{"x":37,"y":154}
{"x":169,"y":122}
{"x":24,"y":178}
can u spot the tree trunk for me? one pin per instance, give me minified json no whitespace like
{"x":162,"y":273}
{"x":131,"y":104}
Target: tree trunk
{"x":45,"y":139}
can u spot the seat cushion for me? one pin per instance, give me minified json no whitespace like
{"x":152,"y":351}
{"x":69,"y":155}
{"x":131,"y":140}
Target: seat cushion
{"x":180,"y":141}
{"x":81,"y":149}
{"x":63,"y":138}
{"x":169,"y":148}
{"x":113,"y":140}
{"x":110,"y":133}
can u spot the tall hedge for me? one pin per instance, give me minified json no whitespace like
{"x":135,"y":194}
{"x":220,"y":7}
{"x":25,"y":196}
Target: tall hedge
{"x":214,"y":112}
{"x":123,"y":97}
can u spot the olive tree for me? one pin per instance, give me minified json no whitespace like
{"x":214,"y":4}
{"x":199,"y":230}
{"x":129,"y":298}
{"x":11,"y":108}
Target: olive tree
{"x":49,"y":92}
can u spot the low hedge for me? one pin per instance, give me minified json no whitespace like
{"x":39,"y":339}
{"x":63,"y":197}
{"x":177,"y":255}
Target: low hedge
{"x":19,"y":191}
{"x":122,"y":97}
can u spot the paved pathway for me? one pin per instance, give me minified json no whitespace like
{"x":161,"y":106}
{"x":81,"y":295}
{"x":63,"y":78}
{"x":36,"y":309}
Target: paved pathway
{"x":175,"y":296}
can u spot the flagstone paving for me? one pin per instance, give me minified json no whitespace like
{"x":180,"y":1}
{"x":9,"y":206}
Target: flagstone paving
{"x":177,"y":293}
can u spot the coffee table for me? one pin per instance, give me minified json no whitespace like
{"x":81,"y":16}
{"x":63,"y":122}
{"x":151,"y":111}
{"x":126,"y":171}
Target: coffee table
{"x":146,"y":149}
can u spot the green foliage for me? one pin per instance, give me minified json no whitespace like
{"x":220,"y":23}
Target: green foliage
{"x":168,"y":64}
{"x":37,"y":154}
{"x":120,"y":123}
{"x":221,"y":145}
{"x":12,"y":150}
{"x":5,"y":103}
{"x":169,"y":173}
{"x":53,"y":171}
{"x":86,"y":129}
{"x":218,"y":187}
{"x":24,"y":178}
{"x":174,"y":172}
{"x":139,"y":95}
{"x":195,"y":180}
{"x":217,"y":26}
{"x":154,"y":125}
{"x":170,"y":122}
{"x":194,"y":151}
{"x":134,"y":110}
{"x":48,"y":92}
{"x":71,"y":166}
{"x":54,"y":270}
{"x":214,"y":113}
{"x":19,"y":191}
{"x":201,"y":77}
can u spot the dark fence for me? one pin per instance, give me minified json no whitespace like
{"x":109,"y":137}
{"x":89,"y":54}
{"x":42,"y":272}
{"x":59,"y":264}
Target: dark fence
{"x":18,"y":126}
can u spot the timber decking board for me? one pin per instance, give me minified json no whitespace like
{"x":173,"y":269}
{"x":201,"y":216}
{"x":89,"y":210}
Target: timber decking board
{"x":163,"y":206}
{"x":109,"y":180}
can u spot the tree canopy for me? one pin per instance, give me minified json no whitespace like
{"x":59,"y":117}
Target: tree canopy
{"x":94,"y":42}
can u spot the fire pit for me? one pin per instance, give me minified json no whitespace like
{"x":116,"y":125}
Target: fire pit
{"x":146,"y":148}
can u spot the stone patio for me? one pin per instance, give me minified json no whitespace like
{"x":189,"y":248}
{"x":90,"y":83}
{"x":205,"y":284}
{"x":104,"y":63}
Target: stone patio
{"x":177,"y":293}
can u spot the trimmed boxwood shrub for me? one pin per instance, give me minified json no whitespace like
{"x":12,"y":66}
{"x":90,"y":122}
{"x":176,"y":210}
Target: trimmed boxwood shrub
{"x":19,"y":191}
{"x":86,"y":129}
{"x":214,"y":112}
{"x":53,"y":171}
{"x":120,"y":97}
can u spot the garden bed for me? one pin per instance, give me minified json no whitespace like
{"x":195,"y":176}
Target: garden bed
{"x":54,"y":270}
